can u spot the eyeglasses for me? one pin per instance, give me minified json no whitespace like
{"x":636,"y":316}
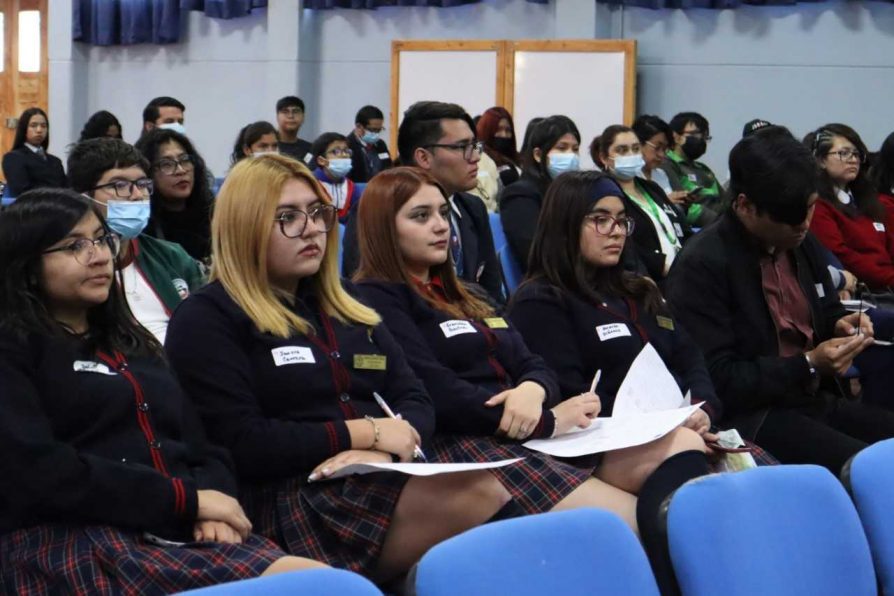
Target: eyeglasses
{"x":657,"y":148}
{"x":848,"y":154}
{"x":379,"y":130}
{"x":697,"y":134}
{"x":168,"y":166}
{"x":124,"y":188}
{"x":84,"y":249}
{"x":605,"y":224}
{"x":292,"y":223}
{"x":291,"y":111}
{"x":338,"y":152}
{"x":626,"y":149}
{"x":468,"y":149}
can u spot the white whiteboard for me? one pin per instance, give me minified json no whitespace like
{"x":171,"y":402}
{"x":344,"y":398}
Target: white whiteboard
{"x":588,"y":87}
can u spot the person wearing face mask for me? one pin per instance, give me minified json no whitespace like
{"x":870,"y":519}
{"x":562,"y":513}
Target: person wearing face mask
{"x":165,"y":113}
{"x":157,"y":275}
{"x":703,"y":192}
{"x":332,"y":158}
{"x":257,"y":138}
{"x":369,"y":152}
{"x":660,"y":226}
{"x":552,"y":149}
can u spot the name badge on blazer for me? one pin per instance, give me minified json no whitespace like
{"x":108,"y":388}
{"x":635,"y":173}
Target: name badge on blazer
{"x":292,"y":355}
{"x":665,"y":322}
{"x":820,"y":291}
{"x":496,"y":323}
{"x":879,"y":226}
{"x":384,"y":155}
{"x":93,"y":367}
{"x":457,"y":327}
{"x":678,"y":229}
{"x":612,"y":330}
{"x":370,"y":361}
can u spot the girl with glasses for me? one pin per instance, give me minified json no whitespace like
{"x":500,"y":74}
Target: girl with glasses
{"x":109,"y":486}
{"x":284,"y":362}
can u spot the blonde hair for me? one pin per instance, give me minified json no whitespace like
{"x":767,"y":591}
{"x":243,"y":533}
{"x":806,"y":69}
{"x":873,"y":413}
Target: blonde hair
{"x":240,"y":234}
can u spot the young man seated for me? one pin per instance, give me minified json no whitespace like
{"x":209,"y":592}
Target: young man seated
{"x":369,"y":152}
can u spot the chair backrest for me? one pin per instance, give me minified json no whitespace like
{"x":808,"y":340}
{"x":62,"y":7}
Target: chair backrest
{"x":584,"y":551}
{"x":313,"y":582}
{"x":215,"y":188}
{"x":512,"y":271}
{"x":341,"y":245}
{"x":773,"y":530}
{"x":870,"y":477}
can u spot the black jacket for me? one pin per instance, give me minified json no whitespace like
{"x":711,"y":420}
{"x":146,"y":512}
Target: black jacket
{"x":24,"y":169}
{"x":715,"y":290}
{"x":366,"y":162}
{"x":645,"y":234}
{"x":520,"y":205}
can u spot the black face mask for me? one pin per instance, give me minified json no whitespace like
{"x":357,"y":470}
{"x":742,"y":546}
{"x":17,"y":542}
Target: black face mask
{"x":694,"y":147}
{"x":503,"y":145}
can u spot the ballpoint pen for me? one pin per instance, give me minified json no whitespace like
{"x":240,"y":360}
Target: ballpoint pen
{"x":417,"y":451}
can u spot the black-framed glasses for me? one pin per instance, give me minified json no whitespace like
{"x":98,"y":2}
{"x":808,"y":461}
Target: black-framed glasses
{"x":377,"y":131}
{"x":339,"y":152}
{"x":605,"y":224}
{"x":848,"y":154}
{"x":468,"y":149}
{"x":293,"y":222}
{"x":124,"y":188}
{"x":698,"y":135}
{"x":84,"y":249}
{"x":168,"y":166}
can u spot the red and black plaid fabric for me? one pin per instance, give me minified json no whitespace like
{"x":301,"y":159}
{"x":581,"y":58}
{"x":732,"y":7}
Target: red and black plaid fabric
{"x":100,"y":561}
{"x":340,"y":522}
{"x":536,"y":484}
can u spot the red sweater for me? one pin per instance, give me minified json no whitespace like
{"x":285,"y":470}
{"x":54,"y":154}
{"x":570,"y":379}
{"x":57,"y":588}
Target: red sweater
{"x":865,"y":247}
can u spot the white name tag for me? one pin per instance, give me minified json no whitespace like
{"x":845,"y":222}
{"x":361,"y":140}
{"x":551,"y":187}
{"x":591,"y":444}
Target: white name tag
{"x":820,"y":291}
{"x":385,"y":155}
{"x":879,"y":226}
{"x":292,"y":355}
{"x":692,"y":177}
{"x":456,"y":327}
{"x":679,"y":230}
{"x":308,"y":157}
{"x":612,"y":330}
{"x":93,"y":367}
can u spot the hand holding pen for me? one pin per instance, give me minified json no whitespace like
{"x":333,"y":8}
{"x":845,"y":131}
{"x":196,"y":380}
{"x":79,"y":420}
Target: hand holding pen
{"x":418,"y":455}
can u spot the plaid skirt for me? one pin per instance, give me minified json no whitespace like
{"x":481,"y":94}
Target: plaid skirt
{"x":100,"y":560}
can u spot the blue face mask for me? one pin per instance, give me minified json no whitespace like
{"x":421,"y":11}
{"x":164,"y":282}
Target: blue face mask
{"x":628,"y":167}
{"x":175,"y":126}
{"x":128,"y":218}
{"x":370,"y":138}
{"x":339,"y":167}
{"x":560,"y":163}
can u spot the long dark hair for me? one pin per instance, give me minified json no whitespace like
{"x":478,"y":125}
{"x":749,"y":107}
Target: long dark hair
{"x":556,"y":255}
{"x":544,"y":136}
{"x":882,"y":172}
{"x":31,"y":225}
{"x":98,"y":125}
{"x":249,"y":135}
{"x":22,"y":128}
{"x":866,"y":200}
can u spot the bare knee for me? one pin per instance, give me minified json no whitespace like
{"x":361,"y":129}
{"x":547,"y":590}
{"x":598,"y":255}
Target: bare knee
{"x":475,"y":494}
{"x":685,"y":439}
{"x":290,"y":563}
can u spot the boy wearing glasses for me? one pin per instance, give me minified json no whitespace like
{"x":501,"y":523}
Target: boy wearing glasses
{"x":157,"y":275}
{"x":289,"y":118}
{"x":333,"y":165}
{"x":691,"y":137}
{"x":369,"y":152}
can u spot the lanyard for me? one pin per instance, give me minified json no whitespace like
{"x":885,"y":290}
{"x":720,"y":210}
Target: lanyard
{"x":491,"y":338}
{"x":341,"y":376}
{"x":656,"y":212}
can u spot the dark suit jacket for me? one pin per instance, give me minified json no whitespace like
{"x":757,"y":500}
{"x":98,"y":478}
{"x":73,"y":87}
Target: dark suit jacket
{"x":361,"y":170}
{"x":645,"y":234}
{"x":520,"y":205}
{"x":480,"y":262}
{"x":24,"y":170}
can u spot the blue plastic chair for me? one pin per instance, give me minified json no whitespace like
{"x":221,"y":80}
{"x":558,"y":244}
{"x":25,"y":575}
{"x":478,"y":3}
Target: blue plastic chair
{"x":512,"y":271}
{"x":215,"y":188}
{"x":7,"y":198}
{"x":786,"y":530}
{"x":584,"y":551}
{"x":313,"y":582}
{"x":870,"y":477}
{"x":341,"y":245}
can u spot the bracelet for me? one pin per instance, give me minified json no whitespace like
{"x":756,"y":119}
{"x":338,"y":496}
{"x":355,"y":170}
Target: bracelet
{"x":375,"y":431}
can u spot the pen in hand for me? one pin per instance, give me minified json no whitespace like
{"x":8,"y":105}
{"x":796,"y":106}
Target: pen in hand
{"x":417,"y":451}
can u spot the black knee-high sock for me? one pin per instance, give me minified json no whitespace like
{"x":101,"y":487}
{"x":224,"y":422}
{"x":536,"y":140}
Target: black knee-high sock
{"x":666,"y":478}
{"x":508,"y":511}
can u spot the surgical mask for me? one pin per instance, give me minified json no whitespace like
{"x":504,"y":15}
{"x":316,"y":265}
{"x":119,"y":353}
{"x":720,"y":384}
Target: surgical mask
{"x":339,"y":167}
{"x":370,"y":138}
{"x":128,"y":218}
{"x":562,"y":162}
{"x":175,"y":126}
{"x":260,"y":153}
{"x":694,"y":147}
{"x":628,"y":167}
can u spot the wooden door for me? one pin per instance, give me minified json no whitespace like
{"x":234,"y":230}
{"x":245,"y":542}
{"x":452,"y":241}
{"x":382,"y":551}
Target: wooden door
{"x":24,"y":77}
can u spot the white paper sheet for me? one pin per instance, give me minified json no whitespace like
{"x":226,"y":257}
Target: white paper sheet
{"x":419,"y":469}
{"x":648,"y":387}
{"x":607,"y":434}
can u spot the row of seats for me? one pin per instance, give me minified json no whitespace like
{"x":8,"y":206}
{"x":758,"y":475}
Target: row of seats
{"x":787,"y":530}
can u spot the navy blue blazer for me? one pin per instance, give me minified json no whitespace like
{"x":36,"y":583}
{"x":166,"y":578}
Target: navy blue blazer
{"x":24,"y":169}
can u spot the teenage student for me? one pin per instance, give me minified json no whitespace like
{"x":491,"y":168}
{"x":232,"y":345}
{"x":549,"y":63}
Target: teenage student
{"x":28,"y":165}
{"x":257,"y":138}
{"x":369,"y":152}
{"x":332,"y":164}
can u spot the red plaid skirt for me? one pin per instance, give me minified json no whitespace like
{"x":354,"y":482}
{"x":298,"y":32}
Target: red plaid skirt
{"x":101,"y":560}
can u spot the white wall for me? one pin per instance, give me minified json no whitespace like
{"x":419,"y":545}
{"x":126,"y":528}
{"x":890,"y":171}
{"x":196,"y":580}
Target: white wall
{"x":801,"y":65}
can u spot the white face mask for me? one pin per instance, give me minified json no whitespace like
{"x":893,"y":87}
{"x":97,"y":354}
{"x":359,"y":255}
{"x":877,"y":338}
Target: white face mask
{"x":175,"y":126}
{"x":628,"y":167}
{"x":260,"y":153}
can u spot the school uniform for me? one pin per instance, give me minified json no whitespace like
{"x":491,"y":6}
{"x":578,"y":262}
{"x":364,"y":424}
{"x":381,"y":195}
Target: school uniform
{"x":367,"y":160}
{"x":520,"y":205}
{"x":464,"y":363}
{"x":280,"y":406}
{"x":659,"y":228}
{"x":686,"y":174}
{"x":577,"y":337}
{"x":98,"y":449}
{"x":191,"y":228}
{"x":26,"y":169}
{"x":343,"y":194}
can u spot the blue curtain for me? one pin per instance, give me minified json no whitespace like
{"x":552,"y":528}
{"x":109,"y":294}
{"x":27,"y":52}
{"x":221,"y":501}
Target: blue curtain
{"x":124,"y":22}
{"x":370,"y":4}
{"x":656,"y":4}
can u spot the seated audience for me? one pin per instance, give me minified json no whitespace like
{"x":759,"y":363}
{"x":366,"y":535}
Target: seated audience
{"x":369,"y":152}
{"x":28,"y":165}
{"x":754,"y":292}
{"x":553,"y":148}
{"x":289,"y":118}
{"x":497,"y":131}
{"x":165,"y":113}
{"x":655,"y":137}
{"x":332,"y":161}
{"x":156,"y":275}
{"x":257,"y":138}
{"x":181,"y":200}
{"x":882,"y":172}
{"x":94,"y":500}
{"x":850,"y":219}
{"x":101,"y":124}
{"x":284,"y":364}
{"x":704,"y":193}
{"x":660,"y":228}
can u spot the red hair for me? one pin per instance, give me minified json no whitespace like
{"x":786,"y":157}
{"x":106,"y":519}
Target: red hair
{"x":486,"y":130}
